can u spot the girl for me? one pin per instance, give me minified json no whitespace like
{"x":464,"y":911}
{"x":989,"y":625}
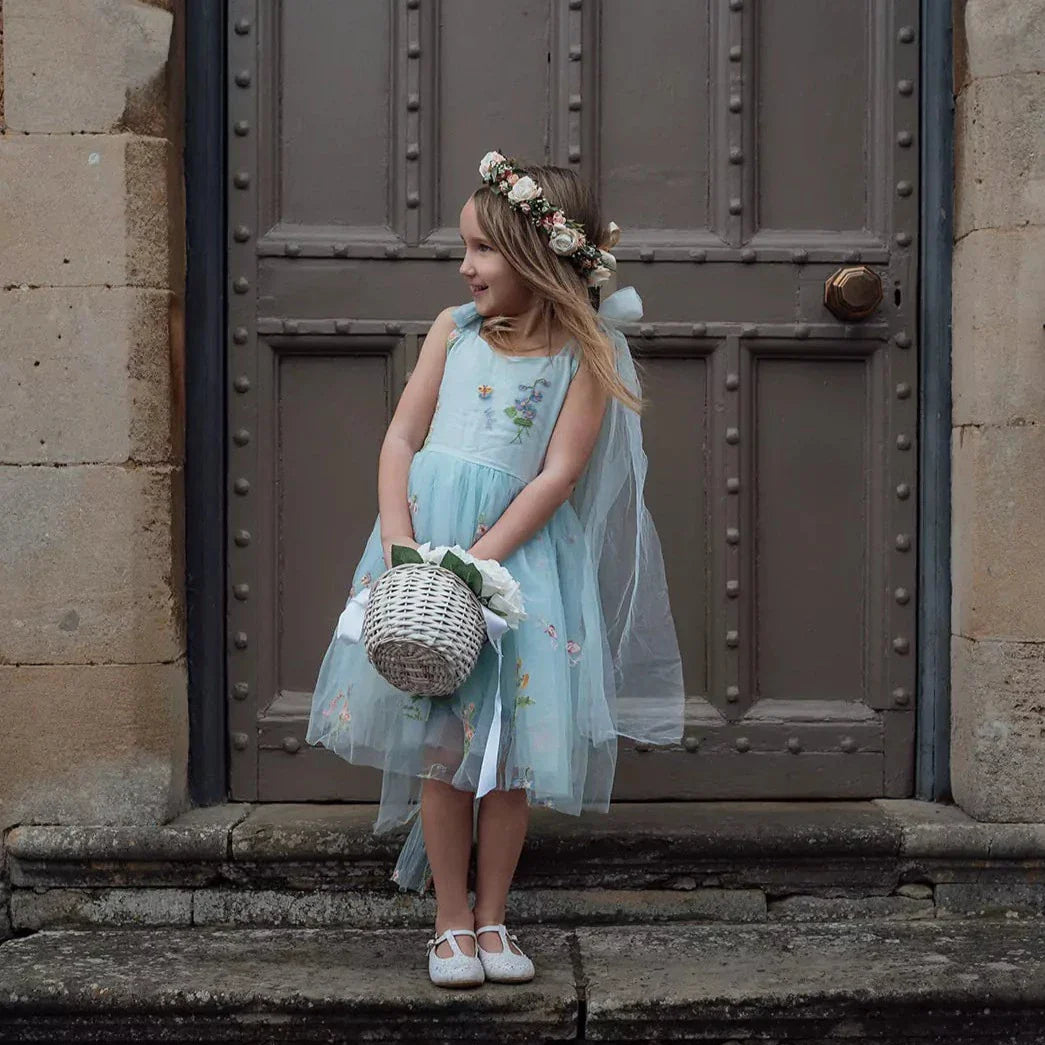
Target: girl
{"x":527,"y":402}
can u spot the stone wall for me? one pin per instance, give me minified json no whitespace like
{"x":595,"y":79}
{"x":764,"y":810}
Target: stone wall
{"x":998,"y":447}
{"x":93,"y":713}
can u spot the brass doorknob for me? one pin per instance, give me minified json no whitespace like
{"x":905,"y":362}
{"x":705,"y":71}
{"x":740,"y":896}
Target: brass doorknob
{"x":853,"y":292}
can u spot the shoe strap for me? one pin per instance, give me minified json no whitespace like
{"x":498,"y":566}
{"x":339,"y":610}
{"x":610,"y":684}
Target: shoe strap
{"x":448,"y":935}
{"x":501,"y":931}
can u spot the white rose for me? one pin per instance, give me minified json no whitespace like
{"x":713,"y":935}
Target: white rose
{"x":509,"y":608}
{"x":565,"y":240}
{"x":524,"y":189}
{"x":487,"y":162}
{"x":598,"y":276}
{"x":496,"y":579}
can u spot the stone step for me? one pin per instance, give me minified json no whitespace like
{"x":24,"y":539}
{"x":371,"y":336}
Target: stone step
{"x":964,"y":982}
{"x":736,"y":862}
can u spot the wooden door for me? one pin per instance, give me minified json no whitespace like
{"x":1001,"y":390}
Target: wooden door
{"x":750,"y":151}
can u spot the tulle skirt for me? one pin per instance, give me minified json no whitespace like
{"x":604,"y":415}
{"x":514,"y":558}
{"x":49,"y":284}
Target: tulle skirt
{"x":557,"y":733}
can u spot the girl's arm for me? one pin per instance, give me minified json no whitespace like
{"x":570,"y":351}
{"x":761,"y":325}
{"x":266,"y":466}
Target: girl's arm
{"x":406,"y":432}
{"x":569,"y":449}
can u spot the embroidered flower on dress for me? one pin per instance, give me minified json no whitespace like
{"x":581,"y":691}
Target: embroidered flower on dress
{"x":485,"y":391}
{"x":412,"y":504}
{"x":573,"y":648}
{"x":523,"y":413}
{"x":522,"y":680}
{"x":338,"y":704}
{"x":466,"y":724}
{"x":551,"y":631}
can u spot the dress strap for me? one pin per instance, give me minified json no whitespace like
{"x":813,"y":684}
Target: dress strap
{"x":465,"y":315}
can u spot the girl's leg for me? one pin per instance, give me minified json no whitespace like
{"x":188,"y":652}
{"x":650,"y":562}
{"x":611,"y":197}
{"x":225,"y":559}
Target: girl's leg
{"x":503,"y":819}
{"x":446,"y":819}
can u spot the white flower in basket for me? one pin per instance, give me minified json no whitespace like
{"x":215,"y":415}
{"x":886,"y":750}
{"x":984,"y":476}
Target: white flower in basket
{"x":499,"y":590}
{"x":423,"y":622}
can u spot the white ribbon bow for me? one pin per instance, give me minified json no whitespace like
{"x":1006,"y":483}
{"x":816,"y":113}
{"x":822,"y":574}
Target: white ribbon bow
{"x":350,"y":629}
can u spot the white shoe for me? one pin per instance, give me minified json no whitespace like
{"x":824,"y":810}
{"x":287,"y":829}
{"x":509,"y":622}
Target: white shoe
{"x":503,"y":966}
{"x":460,"y":969}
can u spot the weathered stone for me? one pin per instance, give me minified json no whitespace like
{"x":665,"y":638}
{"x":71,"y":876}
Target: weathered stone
{"x":86,"y":374}
{"x":916,"y":890}
{"x":71,"y":908}
{"x":999,"y":162}
{"x":997,"y":38}
{"x":990,"y":899}
{"x":837,"y":909}
{"x":906,"y":981}
{"x":936,"y":830}
{"x":124,"y":742}
{"x":629,"y":832}
{"x":66,"y":217}
{"x":998,"y":534}
{"x":998,"y":362}
{"x":236,"y":984}
{"x":997,"y":741}
{"x":100,"y":66}
{"x":5,"y":911}
{"x":363,"y":908}
{"x":90,"y":570}
{"x":197,"y":834}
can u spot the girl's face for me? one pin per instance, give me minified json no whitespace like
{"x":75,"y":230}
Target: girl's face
{"x":496,"y":287}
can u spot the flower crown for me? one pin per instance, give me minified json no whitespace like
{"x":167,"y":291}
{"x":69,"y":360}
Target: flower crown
{"x":565,"y":237}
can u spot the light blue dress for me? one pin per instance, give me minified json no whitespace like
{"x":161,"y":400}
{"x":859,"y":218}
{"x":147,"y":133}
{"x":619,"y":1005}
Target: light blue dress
{"x":493,"y":419}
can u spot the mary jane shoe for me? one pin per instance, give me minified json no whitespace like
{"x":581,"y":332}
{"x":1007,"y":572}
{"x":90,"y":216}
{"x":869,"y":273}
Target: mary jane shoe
{"x":460,"y":969}
{"x":503,"y":966}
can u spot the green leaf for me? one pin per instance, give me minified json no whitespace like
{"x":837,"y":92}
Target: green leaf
{"x":510,"y":411}
{"x":453,"y":563}
{"x":473,"y":578}
{"x":401,"y":553}
{"x":524,"y":422}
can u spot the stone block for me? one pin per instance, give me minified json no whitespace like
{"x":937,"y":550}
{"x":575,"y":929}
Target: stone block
{"x":251,"y":985}
{"x":840,"y":909}
{"x":197,"y":834}
{"x":997,"y":735}
{"x":85,"y":908}
{"x":997,"y":37}
{"x":998,"y":532}
{"x":362,"y":908}
{"x":90,"y":565}
{"x":990,"y":899}
{"x":95,"y":744}
{"x":87,"y":376}
{"x":99,"y":66}
{"x":6,"y":929}
{"x":999,"y":162}
{"x":998,"y":353}
{"x":84,"y":209}
{"x":901,"y":981}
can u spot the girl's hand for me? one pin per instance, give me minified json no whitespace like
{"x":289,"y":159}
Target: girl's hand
{"x":387,"y":542}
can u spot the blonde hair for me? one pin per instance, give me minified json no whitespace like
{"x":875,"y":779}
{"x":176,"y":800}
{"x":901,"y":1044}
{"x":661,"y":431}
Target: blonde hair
{"x":560,"y":288}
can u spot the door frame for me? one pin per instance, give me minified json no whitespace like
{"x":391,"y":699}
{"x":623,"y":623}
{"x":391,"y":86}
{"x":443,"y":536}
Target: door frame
{"x":205,"y":426}
{"x":936,"y":247}
{"x":206,"y":179}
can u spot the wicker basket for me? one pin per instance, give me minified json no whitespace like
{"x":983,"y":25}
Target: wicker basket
{"x":423,"y":628}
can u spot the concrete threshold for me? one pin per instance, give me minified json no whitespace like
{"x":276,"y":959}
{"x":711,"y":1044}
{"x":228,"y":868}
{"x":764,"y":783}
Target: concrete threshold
{"x":964,"y":982}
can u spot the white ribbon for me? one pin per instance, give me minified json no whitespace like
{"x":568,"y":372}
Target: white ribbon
{"x":350,"y":629}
